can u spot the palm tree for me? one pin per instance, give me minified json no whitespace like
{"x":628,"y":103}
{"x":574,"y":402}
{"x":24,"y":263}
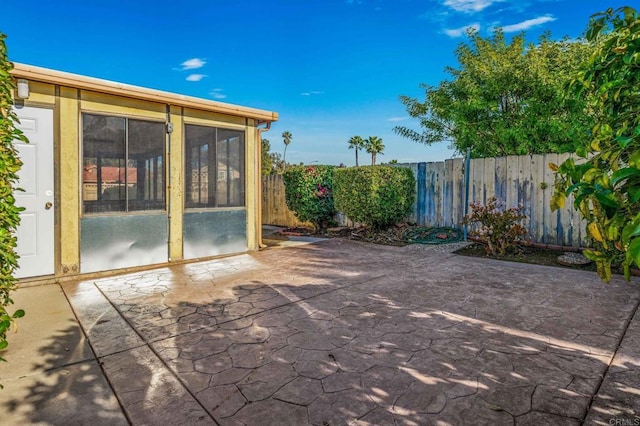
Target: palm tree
{"x":374,"y":146}
{"x":357,"y":143}
{"x":286,"y":137}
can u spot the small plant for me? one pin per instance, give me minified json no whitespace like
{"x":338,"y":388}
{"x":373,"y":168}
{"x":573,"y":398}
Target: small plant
{"x":377,"y":196}
{"x":9,"y":212}
{"x":309,"y":194}
{"x":496,"y":227}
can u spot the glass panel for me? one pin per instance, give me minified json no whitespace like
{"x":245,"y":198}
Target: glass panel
{"x":222,"y":150}
{"x":122,"y":170}
{"x":230,"y":168}
{"x":199,"y":160}
{"x":121,"y":241}
{"x":214,"y":167}
{"x":104,"y":172}
{"x":146,"y":174}
{"x":212,"y":233}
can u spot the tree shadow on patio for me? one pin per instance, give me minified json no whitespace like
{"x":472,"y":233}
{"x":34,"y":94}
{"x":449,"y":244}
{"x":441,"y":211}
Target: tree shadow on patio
{"x":341,"y":332}
{"x":65,"y":386}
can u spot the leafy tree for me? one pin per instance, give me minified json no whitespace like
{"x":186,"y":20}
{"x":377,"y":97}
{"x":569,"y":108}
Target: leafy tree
{"x":374,"y":146}
{"x":505,"y":98}
{"x":606,"y":185}
{"x":356,"y":143}
{"x":279,"y":165}
{"x":286,"y":138}
{"x":9,"y":213}
{"x":267,"y":158}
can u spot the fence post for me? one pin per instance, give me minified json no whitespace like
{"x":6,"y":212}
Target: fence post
{"x":467,"y":166}
{"x":421,"y":182}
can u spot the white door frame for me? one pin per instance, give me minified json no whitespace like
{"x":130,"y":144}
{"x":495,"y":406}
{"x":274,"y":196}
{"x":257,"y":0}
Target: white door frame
{"x":36,"y":233}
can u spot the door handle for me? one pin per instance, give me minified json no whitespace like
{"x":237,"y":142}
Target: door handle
{"x":48,"y":205}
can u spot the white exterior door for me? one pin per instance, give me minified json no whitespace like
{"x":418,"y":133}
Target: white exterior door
{"x":36,"y":230}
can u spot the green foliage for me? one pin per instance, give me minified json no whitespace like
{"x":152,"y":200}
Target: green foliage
{"x":9,"y":213}
{"x":272,"y":162}
{"x":266,"y":157}
{"x":496,"y":227}
{"x":606,"y":184}
{"x":374,"y":146}
{"x":377,"y":196}
{"x":309,"y":194}
{"x":505,"y":98}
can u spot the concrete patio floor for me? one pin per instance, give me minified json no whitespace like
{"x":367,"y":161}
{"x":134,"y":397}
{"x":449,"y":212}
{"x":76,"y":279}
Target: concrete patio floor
{"x":336,"y":332}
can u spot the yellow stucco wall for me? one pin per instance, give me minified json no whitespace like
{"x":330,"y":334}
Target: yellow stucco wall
{"x":193,"y":116}
{"x":252,"y":199}
{"x":175,"y":180}
{"x":41,"y":93}
{"x":68,"y":104}
{"x":109,"y":104}
{"x":69,"y":171}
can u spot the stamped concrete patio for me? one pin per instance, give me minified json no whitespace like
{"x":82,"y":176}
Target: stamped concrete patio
{"x":341,"y":332}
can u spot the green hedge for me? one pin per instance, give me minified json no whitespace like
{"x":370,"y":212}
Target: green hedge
{"x":309,"y":194}
{"x":9,"y":212}
{"x":377,"y":196}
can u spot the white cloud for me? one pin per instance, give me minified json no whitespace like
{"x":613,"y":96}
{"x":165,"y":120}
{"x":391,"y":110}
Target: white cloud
{"x":469,"y":6}
{"x":396,"y":119}
{"x":312,"y":92}
{"x":195,"y":77}
{"x":192,"y":64}
{"x":459,"y":32}
{"x":217,"y":94}
{"x":525,"y":25}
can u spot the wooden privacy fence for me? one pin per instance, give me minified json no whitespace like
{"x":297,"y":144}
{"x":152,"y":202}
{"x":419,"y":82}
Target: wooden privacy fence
{"x":523,"y":180}
{"x":274,"y":206}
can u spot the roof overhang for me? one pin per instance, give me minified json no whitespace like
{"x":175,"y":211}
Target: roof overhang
{"x":61,"y":78}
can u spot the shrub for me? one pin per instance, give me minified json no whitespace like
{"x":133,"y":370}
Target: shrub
{"x":377,"y":196}
{"x":606,"y":185}
{"x":497,"y":228}
{"x":9,"y":212}
{"x":309,"y":194}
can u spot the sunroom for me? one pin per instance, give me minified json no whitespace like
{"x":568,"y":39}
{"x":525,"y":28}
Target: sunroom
{"x":119,"y":177}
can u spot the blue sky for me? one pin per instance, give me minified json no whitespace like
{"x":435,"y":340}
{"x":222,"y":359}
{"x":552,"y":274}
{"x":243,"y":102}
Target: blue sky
{"x":332,"y":69}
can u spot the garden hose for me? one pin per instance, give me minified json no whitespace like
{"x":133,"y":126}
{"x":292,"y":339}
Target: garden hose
{"x":428,"y":235}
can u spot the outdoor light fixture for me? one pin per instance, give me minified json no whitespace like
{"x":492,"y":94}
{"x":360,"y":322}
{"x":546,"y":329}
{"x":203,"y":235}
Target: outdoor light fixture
{"x":23,"y":88}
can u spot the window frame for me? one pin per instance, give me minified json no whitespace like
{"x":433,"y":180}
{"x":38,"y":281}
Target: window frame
{"x":127,"y":208}
{"x":241,"y":134}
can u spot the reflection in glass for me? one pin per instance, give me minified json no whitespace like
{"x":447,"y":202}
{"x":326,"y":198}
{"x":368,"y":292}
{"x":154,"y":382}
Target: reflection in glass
{"x":146,"y":150}
{"x":123,"y":164}
{"x":104,"y":172}
{"x":214,"y":167}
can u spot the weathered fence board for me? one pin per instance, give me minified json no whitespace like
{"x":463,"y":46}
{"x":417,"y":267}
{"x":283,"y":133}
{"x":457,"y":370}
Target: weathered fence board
{"x":274,"y":205}
{"x":515,"y":180}
{"x":538,"y":203}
